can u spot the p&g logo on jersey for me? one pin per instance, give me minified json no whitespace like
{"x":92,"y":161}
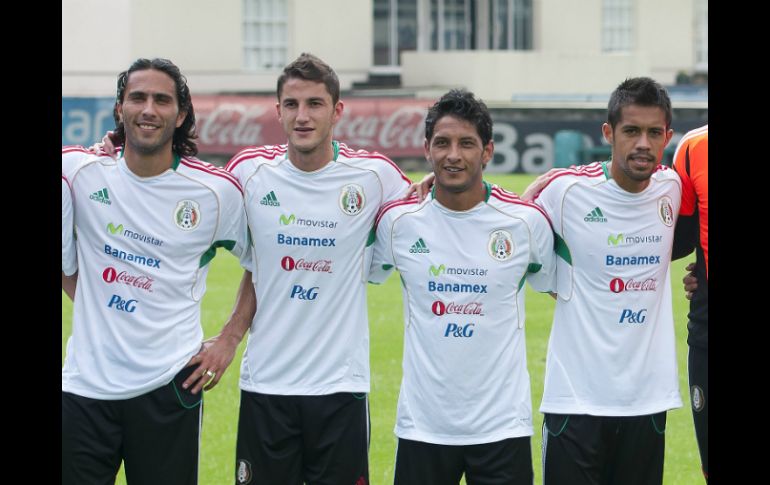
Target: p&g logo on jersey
{"x":119,"y":304}
{"x":459,"y":330}
{"x":303,"y":294}
{"x":630,"y":316}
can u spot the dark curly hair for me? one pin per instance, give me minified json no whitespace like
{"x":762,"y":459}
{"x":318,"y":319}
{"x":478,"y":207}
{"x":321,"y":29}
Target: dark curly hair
{"x":183,"y":142}
{"x":462,"y":104}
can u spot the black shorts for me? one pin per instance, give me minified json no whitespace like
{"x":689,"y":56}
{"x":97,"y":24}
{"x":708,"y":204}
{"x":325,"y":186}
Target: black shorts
{"x":601,"y":450}
{"x":698,"y":371}
{"x":292,"y":440}
{"x":156,"y":435}
{"x":506,"y":462}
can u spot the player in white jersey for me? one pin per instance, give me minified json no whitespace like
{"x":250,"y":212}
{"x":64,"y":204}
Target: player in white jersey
{"x":611,"y":371}
{"x":147,"y":226}
{"x":69,"y":263}
{"x":463,"y":256}
{"x":311,"y":205}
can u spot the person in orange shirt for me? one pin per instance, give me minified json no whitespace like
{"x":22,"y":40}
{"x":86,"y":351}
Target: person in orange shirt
{"x":691,"y":162}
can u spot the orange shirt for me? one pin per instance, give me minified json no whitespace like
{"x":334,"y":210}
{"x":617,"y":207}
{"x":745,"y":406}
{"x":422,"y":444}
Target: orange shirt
{"x":691,"y":162}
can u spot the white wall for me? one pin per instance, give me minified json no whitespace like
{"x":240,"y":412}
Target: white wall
{"x":497,"y":76}
{"x":102,"y":37}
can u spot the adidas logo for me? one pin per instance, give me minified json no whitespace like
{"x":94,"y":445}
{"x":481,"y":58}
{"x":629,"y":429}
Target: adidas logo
{"x":419,"y":247}
{"x":595,"y":216}
{"x":101,"y":196}
{"x":270,"y":199}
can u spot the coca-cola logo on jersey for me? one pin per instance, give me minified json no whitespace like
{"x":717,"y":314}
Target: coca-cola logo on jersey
{"x":320,"y":266}
{"x":111,"y":275}
{"x":617,"y":285}
{"x":440,"y":308}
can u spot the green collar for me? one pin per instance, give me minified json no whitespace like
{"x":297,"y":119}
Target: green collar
{"x":174,"y":163}
{"x":336,"y":146}
{"x":606,"y":169}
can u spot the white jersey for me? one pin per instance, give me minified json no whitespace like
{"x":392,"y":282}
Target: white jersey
{"x":612,"y":350}
{"x":465,"y":378}
{"x":310,"y":334}
{"x":143,"y":247}
{"x":69,"y":263}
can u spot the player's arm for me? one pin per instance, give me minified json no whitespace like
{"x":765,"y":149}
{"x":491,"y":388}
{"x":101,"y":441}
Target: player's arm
{"x":69,"y":283}
{"x":537,"y":185}
{"x":107,"y":146}
{"x":541,"y":273}
{"x":421,"y":188}
{"x":218,"y":352}
{"x":382,"y":256}
{"x":686,"y":230}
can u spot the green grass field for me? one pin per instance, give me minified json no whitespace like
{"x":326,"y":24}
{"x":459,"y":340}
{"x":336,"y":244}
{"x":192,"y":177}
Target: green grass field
{"x":682,"y":464}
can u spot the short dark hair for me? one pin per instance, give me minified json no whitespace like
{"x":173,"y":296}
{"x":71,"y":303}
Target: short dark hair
{"x":642,"y":91}
{"x":183,"y":142}
{"x":310,"y":68}
{"x":462,"y":104}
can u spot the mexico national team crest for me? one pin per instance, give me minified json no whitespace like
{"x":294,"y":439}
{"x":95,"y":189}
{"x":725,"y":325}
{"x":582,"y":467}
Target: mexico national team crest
{"x":352,"y":199}
{"x":187,"y":215}
{"x":500,"y":245}
{"x":666,"y":211}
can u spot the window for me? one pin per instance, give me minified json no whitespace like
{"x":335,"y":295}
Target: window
{"x":441,"y":25}
{"x":617,"y":25}
{"x":702,"y":35}
{"x":511,"y":25}
{"x":264,"y":34}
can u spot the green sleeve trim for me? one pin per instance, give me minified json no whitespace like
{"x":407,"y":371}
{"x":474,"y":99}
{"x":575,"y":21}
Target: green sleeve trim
{"x":561,"y":249}
{"x":387,"y":267}
{"x":212,"y":251}
{"x":532,"y":268}
{"x":372,"y":236}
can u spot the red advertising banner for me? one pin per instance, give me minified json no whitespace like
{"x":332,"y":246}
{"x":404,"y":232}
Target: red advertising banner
{"x":395,"y":127}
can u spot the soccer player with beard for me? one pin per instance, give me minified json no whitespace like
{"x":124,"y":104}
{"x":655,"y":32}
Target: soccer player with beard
{"x":148,"y":224}
{"x":611,"y":371}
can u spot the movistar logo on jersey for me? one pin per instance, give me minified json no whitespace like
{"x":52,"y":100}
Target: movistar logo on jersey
{"x":595,"y":215}
{"x":270,"y":199}
{"x":120,"y":231}
{"x":101,"y":196}
{"x":301,"y":221}
{"x":419,"y":247}
{"x":631,"y":239}
{"x":443,"y":269}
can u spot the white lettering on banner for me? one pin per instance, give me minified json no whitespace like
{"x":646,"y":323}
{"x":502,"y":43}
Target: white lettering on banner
{"x":81,"y":128}
{"x":539,"y":158}
{"x":232,"y":124}
{"x":504,"y":148}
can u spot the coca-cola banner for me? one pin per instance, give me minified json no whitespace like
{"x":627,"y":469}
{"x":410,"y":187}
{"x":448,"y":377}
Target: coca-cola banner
{"x":524,"y":138}
{"x":394,"y":127}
